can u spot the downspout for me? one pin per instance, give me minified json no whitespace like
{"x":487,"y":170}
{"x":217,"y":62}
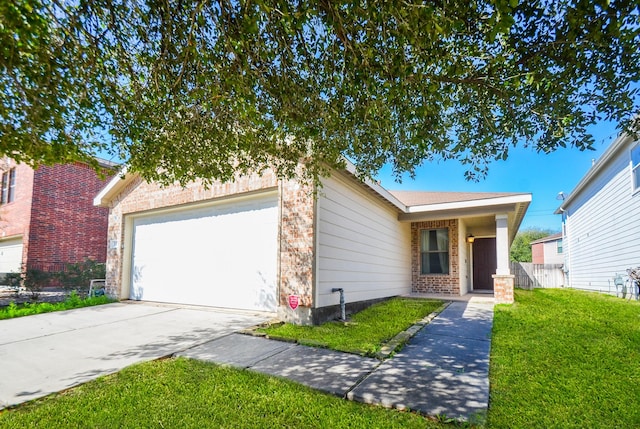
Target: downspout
{"x":566,"y":246}
{"x":343,"y":315}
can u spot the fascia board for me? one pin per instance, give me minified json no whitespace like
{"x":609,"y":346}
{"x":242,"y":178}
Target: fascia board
{"x":613,"y":150}
{"x":462,"y":205}
{"x":114,"y":186}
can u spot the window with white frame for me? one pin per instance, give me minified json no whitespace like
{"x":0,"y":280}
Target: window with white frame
{"x":559,"y":244}
{"x":635,"y":167}
{"x":434,"y":251}
{"x":8,"y":186}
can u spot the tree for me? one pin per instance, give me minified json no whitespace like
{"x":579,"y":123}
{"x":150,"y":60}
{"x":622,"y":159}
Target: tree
{"x":521,"y":246}
{"x":187,"y":89}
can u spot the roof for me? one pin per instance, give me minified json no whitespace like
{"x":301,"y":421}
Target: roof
{"x":411,"y":205}
{"x":113,"y":188}
{"x":106,"y":163}
{"x":619,"y":144}
{"x":419,"y":198}
{"x":551,"y":237}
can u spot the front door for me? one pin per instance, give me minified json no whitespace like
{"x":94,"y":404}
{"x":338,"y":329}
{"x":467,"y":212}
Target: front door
{"x":484,"y":263}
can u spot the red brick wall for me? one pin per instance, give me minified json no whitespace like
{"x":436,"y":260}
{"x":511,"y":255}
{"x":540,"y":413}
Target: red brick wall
{"x":15,"y":216}
{"x":537,"y":253}
{"x":65,"y":225}
{"x":436,"y":283}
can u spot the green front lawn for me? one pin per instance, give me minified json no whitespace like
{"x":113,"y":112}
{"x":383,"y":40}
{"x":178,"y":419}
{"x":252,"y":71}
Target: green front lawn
{"x":568,"y":359}
{"x":183,"y":393}
{"x":559,"y":359}
{"x":366,"y":331}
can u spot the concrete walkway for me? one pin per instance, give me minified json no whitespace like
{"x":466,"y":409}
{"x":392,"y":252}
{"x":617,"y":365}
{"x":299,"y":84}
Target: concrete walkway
{"x":443,"y":370}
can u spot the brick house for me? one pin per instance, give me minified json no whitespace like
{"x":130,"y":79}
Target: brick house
{"x":47,"y":218}
{"x":272,"y":245}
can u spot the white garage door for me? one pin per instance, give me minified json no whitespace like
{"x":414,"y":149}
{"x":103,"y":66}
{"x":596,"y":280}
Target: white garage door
{"x":223,"y":255}
{"x":11,"y":255}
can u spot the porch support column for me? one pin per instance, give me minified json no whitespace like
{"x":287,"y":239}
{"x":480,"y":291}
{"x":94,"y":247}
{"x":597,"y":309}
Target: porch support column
{"x":503,"y":281}
{"x":502,"y":245}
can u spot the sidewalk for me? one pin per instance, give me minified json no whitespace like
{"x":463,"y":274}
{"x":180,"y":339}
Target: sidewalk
{"x":443,"y":370}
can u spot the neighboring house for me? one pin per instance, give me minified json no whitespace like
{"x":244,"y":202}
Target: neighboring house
{"x":547,"y":250}
{"x":264,"y":244}
{"x":601,"y":219}
{"x":47,"y":218}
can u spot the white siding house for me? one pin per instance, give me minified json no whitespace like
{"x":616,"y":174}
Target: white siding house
{"x":361,"y":246}
{"x":601,"y":219}
{"x":261,"y":243}
{"x":548,"y":250}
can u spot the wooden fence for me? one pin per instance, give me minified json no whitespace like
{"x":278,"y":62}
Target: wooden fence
{"x":529,"y":276}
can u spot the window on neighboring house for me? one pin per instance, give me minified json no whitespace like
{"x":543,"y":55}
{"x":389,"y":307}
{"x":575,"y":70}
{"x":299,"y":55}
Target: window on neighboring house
{"x":635,"y":167}
{"x":8,"y":186}
{"x":434,"y":250}
{"x":559,"y":246}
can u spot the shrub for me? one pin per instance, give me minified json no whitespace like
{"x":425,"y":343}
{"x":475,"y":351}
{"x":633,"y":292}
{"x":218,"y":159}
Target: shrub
{"x":34,"y":280}
{"x":77,"y":276}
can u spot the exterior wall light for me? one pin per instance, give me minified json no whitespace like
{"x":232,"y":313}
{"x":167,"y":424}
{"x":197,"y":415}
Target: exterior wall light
{"x":470,"y":238}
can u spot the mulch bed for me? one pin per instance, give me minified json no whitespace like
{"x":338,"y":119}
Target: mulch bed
{"x":8,"y":295}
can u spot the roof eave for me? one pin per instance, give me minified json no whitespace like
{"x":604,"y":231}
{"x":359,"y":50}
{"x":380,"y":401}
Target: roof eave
{"x":113,"y":188}
{"x":618,"y":144}
{"x":377,"y":188}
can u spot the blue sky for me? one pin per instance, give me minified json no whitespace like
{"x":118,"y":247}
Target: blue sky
{"x":524,"y":171}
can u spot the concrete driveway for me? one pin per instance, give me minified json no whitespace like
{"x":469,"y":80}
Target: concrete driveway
{"x":51,"y":352}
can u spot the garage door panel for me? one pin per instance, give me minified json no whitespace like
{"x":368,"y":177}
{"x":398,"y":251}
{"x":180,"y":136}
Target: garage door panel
{"x":222,"y":256}
{"x":11,"y":256}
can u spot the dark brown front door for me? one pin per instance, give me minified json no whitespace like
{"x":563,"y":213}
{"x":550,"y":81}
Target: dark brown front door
{"x":484,"y":263}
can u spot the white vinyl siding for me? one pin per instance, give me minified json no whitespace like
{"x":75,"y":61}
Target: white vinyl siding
{"x":221,"y":255}
{"x":603,"y":229}
{"x":361,"y":246}
{"x":635,"y":167}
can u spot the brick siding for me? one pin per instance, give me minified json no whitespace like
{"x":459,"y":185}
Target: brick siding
{"x":65,"y":225}
{"x":296,"y":240}
{"x":297,"y":251}
{"x":503,"y":288}
{"x":53,"y":212}
{"x":448,"y":284}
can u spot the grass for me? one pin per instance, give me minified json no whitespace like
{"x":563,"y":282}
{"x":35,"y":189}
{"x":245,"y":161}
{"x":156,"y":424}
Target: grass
{"x":183,"y":393}
{"x":73,"y":301}
{"x":367,"y":330}
{"x":559,"y":359}
{"x":564,"y":358}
